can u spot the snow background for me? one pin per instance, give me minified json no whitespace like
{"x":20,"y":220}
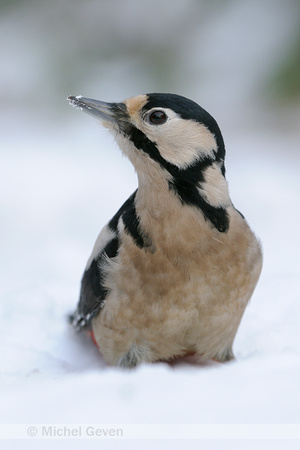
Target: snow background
{"x":62,"y":178}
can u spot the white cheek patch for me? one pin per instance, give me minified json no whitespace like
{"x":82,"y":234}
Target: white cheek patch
{"x":214,"y":189}
{"x":181,"y":142}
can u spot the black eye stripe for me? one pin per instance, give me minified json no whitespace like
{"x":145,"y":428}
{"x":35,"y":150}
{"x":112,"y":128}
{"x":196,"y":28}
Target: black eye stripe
{"x":157,"y":117}
{"x":184,"y":181}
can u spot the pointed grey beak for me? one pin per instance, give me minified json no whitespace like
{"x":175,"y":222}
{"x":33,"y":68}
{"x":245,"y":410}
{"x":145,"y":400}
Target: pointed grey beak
{"x":111,"y":113}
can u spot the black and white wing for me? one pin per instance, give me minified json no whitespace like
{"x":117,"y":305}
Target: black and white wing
{"x":93,"y":292}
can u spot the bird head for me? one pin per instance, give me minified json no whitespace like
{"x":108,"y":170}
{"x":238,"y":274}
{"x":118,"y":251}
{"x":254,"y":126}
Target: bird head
{"x":171,"y":136}
{"x":182,"y":131}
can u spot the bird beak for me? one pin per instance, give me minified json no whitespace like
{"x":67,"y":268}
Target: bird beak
{"x":109,"y":113}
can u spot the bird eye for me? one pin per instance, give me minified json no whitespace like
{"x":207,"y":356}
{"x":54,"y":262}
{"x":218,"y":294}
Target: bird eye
{"x":158,"y":117}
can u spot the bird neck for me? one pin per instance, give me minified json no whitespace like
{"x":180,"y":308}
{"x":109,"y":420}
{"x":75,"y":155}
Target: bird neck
{"x":161,"y":194}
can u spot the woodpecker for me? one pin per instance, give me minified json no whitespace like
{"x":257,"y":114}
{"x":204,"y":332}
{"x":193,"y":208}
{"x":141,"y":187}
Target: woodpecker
{"x":172,"y":272}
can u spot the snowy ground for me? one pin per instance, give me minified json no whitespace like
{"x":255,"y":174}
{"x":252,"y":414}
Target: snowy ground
{"x":56,"y":193}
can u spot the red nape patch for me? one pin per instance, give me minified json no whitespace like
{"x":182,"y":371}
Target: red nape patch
{"x":92,"y":336}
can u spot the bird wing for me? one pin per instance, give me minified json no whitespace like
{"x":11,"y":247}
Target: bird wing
{"x":93,"y":291}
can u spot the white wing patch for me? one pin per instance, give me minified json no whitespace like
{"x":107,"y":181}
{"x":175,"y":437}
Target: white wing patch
{"x":104,"y":237}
